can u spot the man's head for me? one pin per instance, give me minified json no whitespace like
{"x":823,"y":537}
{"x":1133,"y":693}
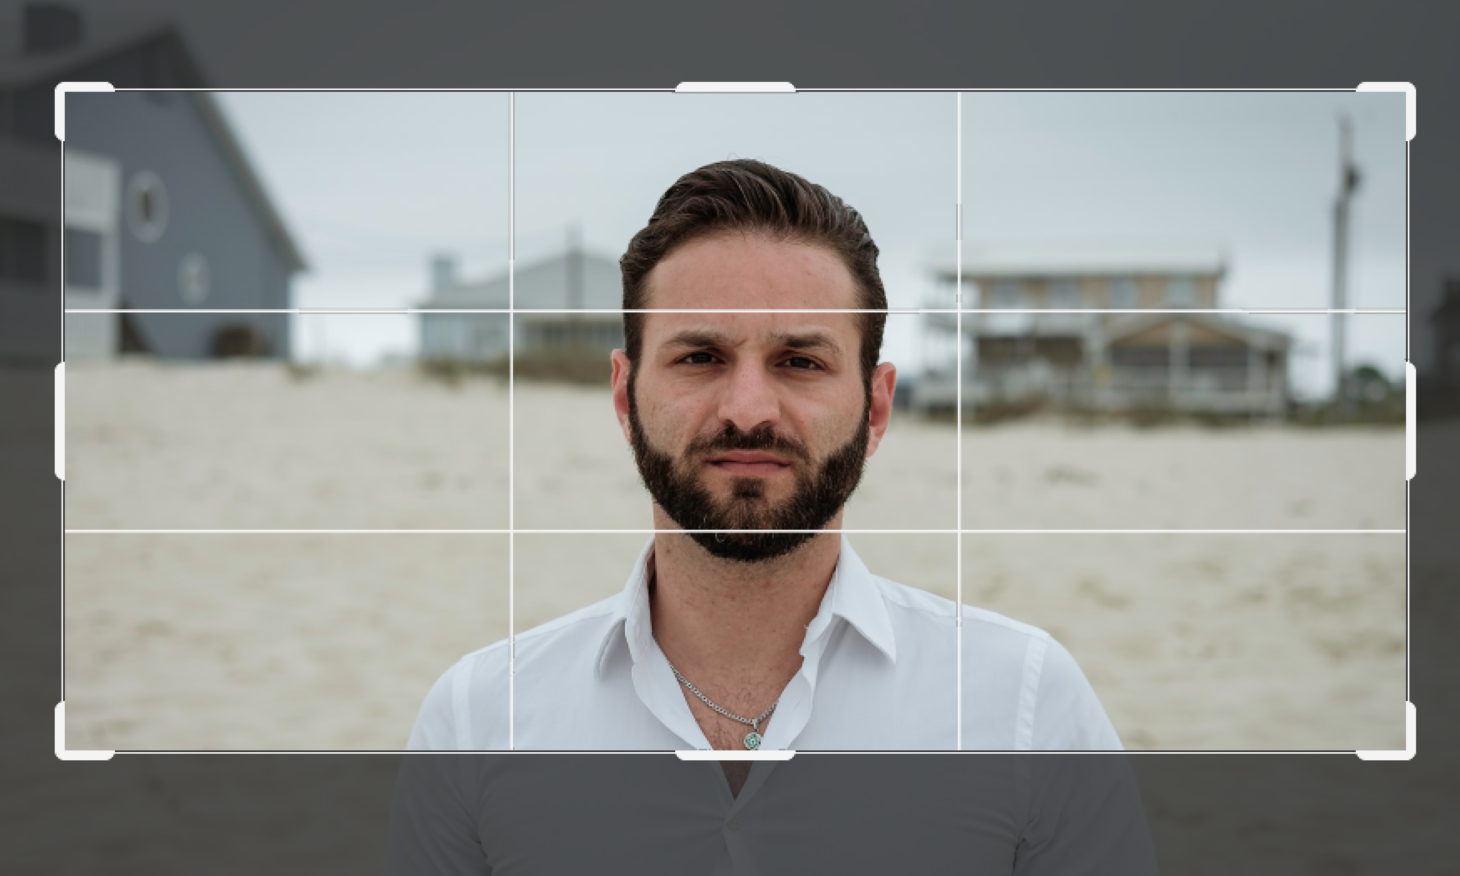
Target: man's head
{"x":752,"y":421}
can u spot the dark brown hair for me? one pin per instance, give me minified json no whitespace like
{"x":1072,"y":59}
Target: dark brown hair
{"x":751,"y":196}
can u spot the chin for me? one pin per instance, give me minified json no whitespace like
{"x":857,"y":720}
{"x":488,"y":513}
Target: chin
{"x":751,"y":547}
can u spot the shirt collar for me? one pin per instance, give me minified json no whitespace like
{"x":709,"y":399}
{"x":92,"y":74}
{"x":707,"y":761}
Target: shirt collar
{"x":853,"y":595}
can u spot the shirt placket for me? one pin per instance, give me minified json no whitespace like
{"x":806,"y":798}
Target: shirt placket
{"x":794,"y":711}
{"x":742,"y":819}
{"x":660,"y":693}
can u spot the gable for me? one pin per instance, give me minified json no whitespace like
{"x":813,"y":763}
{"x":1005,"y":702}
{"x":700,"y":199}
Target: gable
{"x":1201,"y":332}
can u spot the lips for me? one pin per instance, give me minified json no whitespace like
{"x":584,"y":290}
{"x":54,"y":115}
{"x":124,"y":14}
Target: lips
{"x":748,"y":463}
{"x":748,"y":456}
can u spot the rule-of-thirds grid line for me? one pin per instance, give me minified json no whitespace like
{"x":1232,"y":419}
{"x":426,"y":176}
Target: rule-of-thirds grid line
{"x":63,"y":360}
{"x":511,"y":421}
{"x":958,"y":431}
{"x":891,"y":311}
{"x":736,"y":531}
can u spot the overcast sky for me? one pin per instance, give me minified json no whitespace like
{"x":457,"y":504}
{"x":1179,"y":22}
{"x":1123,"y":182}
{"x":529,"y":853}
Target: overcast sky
{"x":372,"y":184}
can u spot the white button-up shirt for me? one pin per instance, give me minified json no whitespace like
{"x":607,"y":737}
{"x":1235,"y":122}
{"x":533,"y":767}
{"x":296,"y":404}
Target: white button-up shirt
{"x":880,"y":673}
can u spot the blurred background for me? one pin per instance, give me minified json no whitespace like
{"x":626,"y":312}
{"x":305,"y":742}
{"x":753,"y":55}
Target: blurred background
{"x":1159,"y":415}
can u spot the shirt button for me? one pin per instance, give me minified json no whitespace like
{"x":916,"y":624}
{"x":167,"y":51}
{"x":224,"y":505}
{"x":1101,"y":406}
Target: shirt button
{"x":734,"y":823}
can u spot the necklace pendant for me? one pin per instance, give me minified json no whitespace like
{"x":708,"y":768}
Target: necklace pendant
{"x":752,"y":740}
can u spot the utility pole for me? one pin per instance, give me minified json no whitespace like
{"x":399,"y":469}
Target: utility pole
{"x":573,"y":268}
{"x":1348,"y":182}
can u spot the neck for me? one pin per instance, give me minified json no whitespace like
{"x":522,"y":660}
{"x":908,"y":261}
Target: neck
{"x":715,"y":616}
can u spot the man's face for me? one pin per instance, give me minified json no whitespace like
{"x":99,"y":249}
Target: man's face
{"x":751,"y":421}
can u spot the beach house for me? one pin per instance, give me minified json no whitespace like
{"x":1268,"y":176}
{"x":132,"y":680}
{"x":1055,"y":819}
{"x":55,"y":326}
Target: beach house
{"x":1099,"y":329}
{"x":162,"y":209}
{"x":546,"y":295}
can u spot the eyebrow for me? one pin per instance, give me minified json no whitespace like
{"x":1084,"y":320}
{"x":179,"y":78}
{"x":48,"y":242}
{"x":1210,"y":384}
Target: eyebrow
{"x":812,"y":340}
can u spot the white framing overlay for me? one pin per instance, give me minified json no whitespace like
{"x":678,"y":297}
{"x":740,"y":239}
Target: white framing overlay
{"x":64,"y":88}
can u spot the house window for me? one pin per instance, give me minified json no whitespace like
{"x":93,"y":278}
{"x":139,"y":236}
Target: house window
{"x":193,"y":278}
{"x":83,"y":259}
{"x":1064,"y":294}
{"x":22,"y":251}
{"x":1007,"y":295}
{"x":1181,"y":292}
{"x":1123,"y":293}
{"x":147,"y":206}
{"x":485,"y":340}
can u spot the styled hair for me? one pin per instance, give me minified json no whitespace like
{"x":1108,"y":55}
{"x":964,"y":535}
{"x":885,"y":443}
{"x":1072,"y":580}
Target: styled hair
{"x":748,"y":196}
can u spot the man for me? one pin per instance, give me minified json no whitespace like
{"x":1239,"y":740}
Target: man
{"x":748,"y":620}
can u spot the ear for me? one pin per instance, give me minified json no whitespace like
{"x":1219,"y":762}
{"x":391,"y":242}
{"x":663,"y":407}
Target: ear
{"x":620,"y":379}
{"x":884,"y":383}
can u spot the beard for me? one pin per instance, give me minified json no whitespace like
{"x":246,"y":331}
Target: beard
{"x":819,"y":493}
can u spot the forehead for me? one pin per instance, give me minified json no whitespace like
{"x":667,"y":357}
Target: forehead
{"x":750,"y":272}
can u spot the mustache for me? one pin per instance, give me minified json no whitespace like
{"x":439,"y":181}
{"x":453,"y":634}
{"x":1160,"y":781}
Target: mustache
{"x":732,"y":438}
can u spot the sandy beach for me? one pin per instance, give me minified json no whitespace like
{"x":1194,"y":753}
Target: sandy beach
{"x":330,"y":640}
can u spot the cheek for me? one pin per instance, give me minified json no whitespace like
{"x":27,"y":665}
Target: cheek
{"x":835,"y":423}
{"x":667,"y":418}
{"x":684,"y":399}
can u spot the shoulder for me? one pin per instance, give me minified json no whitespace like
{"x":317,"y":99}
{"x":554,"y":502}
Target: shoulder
{"x":467,"y":708}
{"x":1030,"y":685}
{"x":566,"y":641}
{"x":981,"y":621}
{"x":988,"y":637}
{"x":986,"y":633}
{"x":905,"y":600}
{"x":910,"y":601}
{"x":1067,"y":713}
{"x":573,"y":623}
{"x":1021,"y":689}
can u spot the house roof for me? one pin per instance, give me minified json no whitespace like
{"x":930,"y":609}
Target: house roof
{"x":1128,"y":324}
{"x":253,"y":186}
{"x":1092,"y":259}
{"x":108,"y":38}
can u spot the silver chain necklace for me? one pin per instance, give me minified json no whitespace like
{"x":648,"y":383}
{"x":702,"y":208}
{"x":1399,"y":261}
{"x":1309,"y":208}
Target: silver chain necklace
{"x":753,"y":738}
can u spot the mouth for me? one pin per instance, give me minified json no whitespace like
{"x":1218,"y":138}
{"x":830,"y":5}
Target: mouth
{"x":747,"y":464}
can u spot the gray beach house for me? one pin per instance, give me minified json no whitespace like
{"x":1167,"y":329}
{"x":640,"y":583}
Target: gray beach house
{"x":162,"y":209}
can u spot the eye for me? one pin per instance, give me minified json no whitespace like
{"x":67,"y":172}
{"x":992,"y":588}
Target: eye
{"x":806,"y":364}
{"x":691,"y":358}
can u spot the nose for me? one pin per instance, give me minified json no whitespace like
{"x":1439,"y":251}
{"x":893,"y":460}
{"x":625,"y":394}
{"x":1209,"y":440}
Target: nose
{"x":750,"y":399}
